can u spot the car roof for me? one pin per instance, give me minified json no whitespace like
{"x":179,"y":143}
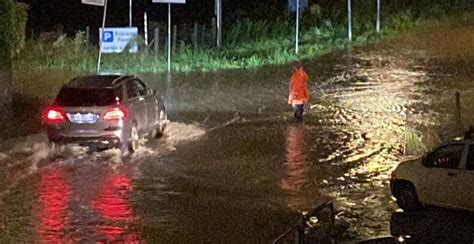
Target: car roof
{"x":98,"y":81}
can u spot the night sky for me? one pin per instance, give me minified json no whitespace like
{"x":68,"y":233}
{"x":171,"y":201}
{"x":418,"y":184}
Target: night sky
{"x":49,"y":15}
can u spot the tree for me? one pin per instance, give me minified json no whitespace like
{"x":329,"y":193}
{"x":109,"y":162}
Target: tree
{"x":13,"y":18}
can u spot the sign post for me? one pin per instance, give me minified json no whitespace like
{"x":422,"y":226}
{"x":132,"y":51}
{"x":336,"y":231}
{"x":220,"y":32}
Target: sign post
{"x":297,"y":6}
{"x":169,"y":2}
{"x":130,"y":14}
{"x":169,"y":37}
{"x":104,"y":4}
{"x":219,"y":23}
{"x":145,"y":24}
{"x":100,"y":37}
{"x":349,"y":20}
{"x":297,"y":41}
{"x":378,"y":17}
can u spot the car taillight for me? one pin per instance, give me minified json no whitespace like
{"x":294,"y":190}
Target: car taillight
{"x":53,"y":115}
{"x":115,"y":114}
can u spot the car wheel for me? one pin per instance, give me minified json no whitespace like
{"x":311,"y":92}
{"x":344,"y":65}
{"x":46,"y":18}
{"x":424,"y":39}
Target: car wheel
{"x":159,"y":129}
{"x":134,"y":139}
{"x":407,"y":198}
{"x":57,"y":148}
{"x":163,"y":118}
{"x":131,"y":144}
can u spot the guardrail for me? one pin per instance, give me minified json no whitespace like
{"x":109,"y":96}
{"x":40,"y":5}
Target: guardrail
{"x":301,"y":225}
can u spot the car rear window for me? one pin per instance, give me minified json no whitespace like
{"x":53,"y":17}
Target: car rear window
{"x":76,"y":97}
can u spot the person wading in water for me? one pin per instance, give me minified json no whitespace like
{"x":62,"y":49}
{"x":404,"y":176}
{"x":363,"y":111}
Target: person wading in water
{"x":298,"y":94}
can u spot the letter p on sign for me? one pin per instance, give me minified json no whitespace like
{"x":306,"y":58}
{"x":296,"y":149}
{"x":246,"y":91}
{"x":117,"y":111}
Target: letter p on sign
{"x":108,"y":36}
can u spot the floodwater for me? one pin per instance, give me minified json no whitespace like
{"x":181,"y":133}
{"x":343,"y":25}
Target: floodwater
{"x":232,"y":167}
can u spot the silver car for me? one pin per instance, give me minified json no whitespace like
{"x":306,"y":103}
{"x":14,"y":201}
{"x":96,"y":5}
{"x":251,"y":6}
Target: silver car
{"x":106,"y":111}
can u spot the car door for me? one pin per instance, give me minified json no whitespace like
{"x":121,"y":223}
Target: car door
{"x":152,"y":106}
{"x":466,"y":181}
{"x":440,"y":176}
{"x":136,"y":103}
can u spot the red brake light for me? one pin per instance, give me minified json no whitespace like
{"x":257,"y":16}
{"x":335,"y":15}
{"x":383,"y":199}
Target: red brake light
{"x":53,"y":115}
{"x":115,"y":114}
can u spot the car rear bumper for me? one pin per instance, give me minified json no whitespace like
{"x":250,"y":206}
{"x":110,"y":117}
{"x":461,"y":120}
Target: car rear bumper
{"x":103,"y":141}
{"x":103,"y":138}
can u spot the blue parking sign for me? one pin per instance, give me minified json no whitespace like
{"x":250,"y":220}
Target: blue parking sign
{"x":108,"y":36}
{"x":115,"y":39}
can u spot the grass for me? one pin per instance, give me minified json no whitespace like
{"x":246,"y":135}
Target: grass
{"x":414,"y":143}
{"x":248,"y":45}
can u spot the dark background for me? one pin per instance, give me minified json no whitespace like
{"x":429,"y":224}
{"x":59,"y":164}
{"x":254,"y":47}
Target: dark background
{"x":71,"y":15}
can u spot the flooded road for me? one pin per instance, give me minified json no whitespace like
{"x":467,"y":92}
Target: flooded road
{"x":232,"y":167}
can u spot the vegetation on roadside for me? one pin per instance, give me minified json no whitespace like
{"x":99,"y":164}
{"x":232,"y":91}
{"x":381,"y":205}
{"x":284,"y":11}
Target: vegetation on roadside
{"x":246,"y":44}
{"x":13,"y":18}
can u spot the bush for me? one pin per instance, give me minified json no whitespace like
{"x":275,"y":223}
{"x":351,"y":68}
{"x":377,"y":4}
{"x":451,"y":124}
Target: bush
{"x":246,"y":44}
{"x":13,"y":18}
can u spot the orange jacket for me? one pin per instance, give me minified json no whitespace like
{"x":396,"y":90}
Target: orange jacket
{"x":298,"y":87}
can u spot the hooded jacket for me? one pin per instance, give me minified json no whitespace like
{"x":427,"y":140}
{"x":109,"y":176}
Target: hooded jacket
{"x":298,"y":87}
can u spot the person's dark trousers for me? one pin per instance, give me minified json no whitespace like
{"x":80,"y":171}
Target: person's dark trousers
{"x":298,"y":109}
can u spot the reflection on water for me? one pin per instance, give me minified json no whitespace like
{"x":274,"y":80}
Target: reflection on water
{"x":53,"y":200}
{"x":114,"y":209}
{"x":97,"y":211}
{"x":295,"y":168}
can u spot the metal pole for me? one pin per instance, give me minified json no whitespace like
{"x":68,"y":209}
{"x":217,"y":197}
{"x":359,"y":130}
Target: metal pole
{"x":130,"y":14}
{"x":219,"y":23}
{"x":88,"y":31}
{"x":405,"y":137}
{"x":378,"y":16}
{"x":297,"y":25}
{"x":145,"y":20}
{"x":157,"y":40}
{"x":100,"y":36}
{"x":169,"y":37}
{"x":349,"y":20}
{"x":458,"y":112}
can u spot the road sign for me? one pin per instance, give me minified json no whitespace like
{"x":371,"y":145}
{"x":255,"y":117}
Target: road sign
{"x":114,"y":40}
{"x":293,"y":5}
{"x":170,"y":1}
{"x":302,"y":5}
{"x":94,"y":2}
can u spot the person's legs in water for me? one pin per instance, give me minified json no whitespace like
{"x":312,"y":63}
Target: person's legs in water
{"x":298,"y":110}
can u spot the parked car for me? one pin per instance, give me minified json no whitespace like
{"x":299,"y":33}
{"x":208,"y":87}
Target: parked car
{"x":106,"y":111}
{"x":443,"y":177}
